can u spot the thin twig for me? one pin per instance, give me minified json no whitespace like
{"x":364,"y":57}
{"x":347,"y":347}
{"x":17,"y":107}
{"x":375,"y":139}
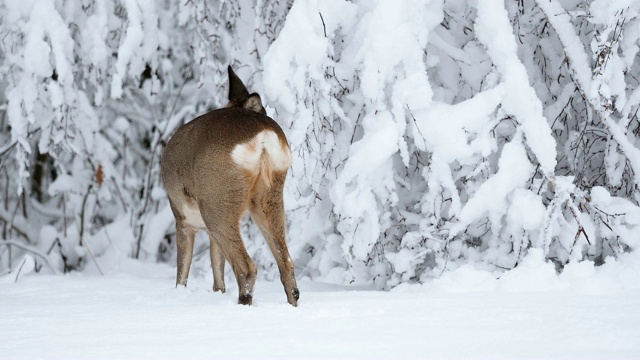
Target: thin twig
{"x":323,"y":25}
{"x":86,"y":245}
{"x":9,"y":219}
{"x":415,"y":122}
{"x":83,"y":241}
{"x":580,"y":231}
{"x":24,"y":261}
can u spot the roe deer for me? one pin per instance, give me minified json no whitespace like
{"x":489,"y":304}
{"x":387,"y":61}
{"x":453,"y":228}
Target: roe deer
{"x":219,"y":166}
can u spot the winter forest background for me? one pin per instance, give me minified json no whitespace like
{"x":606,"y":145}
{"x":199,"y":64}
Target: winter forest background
{"x":426,"y":134}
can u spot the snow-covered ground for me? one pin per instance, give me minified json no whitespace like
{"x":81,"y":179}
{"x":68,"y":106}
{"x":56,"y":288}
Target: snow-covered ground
{"x":136,"y":312}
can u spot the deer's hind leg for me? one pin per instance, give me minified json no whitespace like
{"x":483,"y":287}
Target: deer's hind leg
{"x":267,"y":211}
{"x":185,"y":235}
{"x":217,"y":264}
{"x":223,"y":222}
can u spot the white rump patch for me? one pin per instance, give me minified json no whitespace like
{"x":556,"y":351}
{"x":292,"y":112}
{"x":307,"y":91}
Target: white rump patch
{"x":248,"y":154}
{"x":192,"y":217}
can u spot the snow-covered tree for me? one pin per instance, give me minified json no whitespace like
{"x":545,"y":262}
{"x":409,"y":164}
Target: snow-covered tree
{"x":430,"y":134}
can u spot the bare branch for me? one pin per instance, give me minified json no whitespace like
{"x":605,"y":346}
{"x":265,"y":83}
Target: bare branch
{"x":31,"y":250}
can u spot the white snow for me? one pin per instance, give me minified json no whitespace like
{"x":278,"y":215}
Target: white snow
{"x":514,"y":171}
{"x":135,"y":312}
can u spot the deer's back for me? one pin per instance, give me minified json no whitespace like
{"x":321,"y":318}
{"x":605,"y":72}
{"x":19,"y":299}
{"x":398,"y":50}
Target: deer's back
{"x":197,"y":160}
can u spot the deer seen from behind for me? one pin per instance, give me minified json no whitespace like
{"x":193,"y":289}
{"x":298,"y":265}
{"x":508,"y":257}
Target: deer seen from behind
{"x":215,"y":169}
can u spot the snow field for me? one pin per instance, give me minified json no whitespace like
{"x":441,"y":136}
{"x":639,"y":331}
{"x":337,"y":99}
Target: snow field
{"x":136,"y":312}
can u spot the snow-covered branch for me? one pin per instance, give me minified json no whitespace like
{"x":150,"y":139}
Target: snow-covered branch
{"x":590,"y":88}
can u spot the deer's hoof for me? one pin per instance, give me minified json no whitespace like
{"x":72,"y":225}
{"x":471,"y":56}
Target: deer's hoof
{"x":245,"y":299}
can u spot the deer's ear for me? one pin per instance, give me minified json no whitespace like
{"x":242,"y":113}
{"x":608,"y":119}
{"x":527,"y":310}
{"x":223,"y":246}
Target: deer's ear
{"x":237,"y":90}
{"x":254,"y":103}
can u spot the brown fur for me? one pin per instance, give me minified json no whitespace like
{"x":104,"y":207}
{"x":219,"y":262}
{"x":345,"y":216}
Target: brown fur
{"x":200,"y":175}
